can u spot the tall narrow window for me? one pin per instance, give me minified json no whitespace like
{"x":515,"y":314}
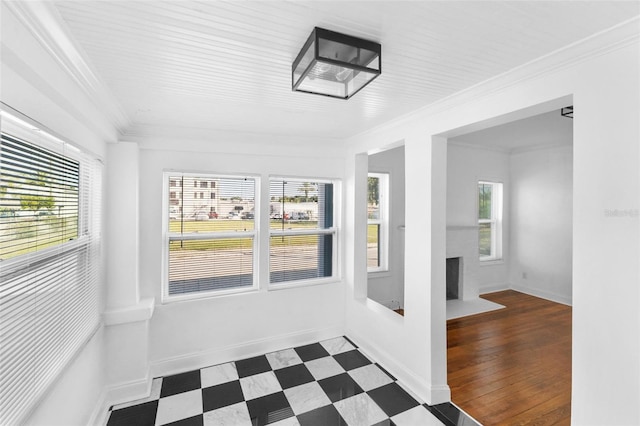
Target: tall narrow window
{"x":490,"y":220}
{"x":302,"y":244}
{"x":377,"y":222}
{"x":50,"y":199}
{"x":210,"y":253}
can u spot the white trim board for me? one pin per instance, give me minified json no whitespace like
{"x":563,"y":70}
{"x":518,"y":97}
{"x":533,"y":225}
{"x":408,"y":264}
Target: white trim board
{"x":463,"y":308}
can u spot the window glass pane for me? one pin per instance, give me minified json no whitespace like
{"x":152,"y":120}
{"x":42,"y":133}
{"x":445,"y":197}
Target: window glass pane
{"x":38,"y":198}
{"x":484,"y":200}
{"x":373,"y":199}
{"x":300,"y":257}
{"x":297,"y":204}
{"x":373,"y":245}
{"x":227,"y":205}
{"x":206,"y":265}
{"x":485,"y":239}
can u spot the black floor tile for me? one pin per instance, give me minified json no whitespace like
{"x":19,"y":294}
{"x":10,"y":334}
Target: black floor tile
{"x":340,"y":387}
{"x":449,"y":414}
{"x":251,"y":366}
{"x":191,"y":421}
{"x":392,"y":399}
{"x":142,"y":415}
{"x":311,"y":352}
{"x":352,"y":359}
{"x":386,"y":422}
{"x":323,"y":416}
{"x":293,"y":376}
{"x":179,"y":383}
{"x":219,"y":396}
{"x":269,"y":409}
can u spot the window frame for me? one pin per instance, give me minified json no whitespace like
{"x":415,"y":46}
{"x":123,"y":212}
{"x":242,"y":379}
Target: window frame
{"x":168,"y":236}
{"x":333,"y":230}
{"x":495,"y":221}
{"x":383,"y":222}
{"x":72,"y":268}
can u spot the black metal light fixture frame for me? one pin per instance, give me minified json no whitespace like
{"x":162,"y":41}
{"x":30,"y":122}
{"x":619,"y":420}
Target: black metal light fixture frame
{"x":567,"y":111}
{"x":335,"y":64}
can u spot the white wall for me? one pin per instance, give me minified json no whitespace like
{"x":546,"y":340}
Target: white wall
{"x":466,"y":165}
{"x":36,"y":85}
{"x":603,"y":85}
{"x":193,"y":334}
{"x":387,"y":288}
{"x":540,"y":261}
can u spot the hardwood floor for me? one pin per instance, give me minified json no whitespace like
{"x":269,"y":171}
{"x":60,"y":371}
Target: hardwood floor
{"x":512,"y":366}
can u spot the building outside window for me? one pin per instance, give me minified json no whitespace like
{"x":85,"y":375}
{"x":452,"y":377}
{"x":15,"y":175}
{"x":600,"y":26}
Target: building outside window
{"x":377,"y":222}
{"x":303,"y":232}
{"x":205,"y":253}
{"x":489,"y":220}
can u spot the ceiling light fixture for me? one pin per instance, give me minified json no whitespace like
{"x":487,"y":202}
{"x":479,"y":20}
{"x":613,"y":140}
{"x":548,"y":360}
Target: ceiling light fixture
{"x":336,"y":65}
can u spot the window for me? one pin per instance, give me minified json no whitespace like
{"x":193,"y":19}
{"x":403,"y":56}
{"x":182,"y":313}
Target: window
{"x":302,"y":238}
{"x":213,"y":195}
{"x":377,"y":222}
{"x":207,"y":253}
{"x":490,"y":220}
{"x":50,"y":243}
{"x":204,"y":184}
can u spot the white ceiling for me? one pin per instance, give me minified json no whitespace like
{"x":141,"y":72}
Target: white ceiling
{"x":227,"y":65}
{"x":544,"y":130}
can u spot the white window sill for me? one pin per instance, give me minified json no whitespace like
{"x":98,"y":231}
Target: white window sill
{"x":491,"y":262}
{"x":305,"y":283}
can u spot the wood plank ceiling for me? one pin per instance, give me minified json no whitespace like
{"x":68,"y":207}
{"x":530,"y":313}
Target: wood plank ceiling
{"x":227,"y":65}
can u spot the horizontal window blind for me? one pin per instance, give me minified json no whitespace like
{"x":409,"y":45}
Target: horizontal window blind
{"x":302,"y":236}
{"x":50,"y":247}
{"x":210,"y":233}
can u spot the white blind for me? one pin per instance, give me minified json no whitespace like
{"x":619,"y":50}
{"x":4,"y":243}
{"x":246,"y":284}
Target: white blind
{"x":50,"y":263}
{"x":302,"y":234}
{"x":211,"y":233}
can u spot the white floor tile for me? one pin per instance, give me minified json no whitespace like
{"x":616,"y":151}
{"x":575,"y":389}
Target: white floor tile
{"x":416,"y":416}
{"x":370,"y":377}
{"x":337,"y":345}
{"x":306,"y":397}
{"x":218,"y":374}
{"x":231,"y":415}
{"x":322,"y":368}
{"x":180,"y":406}
{"x":259,"y":385}
{"x":282,"y":359}
{"x":360,"y":410}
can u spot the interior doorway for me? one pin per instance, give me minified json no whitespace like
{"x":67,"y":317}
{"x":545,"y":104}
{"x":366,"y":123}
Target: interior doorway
{"x":532,"y":158}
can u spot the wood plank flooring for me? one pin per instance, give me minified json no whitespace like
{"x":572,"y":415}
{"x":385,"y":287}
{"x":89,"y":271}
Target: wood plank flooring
{"x":512,"y":366}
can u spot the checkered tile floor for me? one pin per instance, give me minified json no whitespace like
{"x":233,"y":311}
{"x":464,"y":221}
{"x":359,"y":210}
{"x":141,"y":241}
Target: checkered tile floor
{"x":326,"y":383}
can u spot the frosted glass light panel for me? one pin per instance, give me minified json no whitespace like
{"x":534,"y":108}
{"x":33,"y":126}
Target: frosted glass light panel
{"x":336,"y":65}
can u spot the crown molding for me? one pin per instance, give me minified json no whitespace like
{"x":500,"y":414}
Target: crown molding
{"x":47,"y":26}
{"x":600,"y":43}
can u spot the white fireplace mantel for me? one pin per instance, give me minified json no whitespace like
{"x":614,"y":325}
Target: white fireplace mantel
{"x":462,"y":241}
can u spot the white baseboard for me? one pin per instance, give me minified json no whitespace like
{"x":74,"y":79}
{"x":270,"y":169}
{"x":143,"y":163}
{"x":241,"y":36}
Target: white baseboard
{"x":118,"y":394}
{"x":543,"y":294}
{"x":492,"y":288}
{"x":100,"y":414}
{"x":429,"y":394}
{"x":196,"y":360}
